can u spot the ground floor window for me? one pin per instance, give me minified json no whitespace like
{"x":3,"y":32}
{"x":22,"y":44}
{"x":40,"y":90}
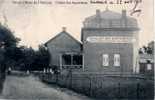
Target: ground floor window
{"x":74,"y":61}
{"x":149,"y":67}
{"x":116,"y":59}
{"x":77,"y":60}
{"x":66,"y":59}
{"x":105,"y":61}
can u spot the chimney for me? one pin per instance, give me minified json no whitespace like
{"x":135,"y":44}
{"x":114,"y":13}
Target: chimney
{"x":123,"y":13}
{"x":98,"y":12}
{"x":64,"y":29}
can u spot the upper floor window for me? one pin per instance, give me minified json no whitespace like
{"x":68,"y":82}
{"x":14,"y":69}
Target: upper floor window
{"x":116,"y":59}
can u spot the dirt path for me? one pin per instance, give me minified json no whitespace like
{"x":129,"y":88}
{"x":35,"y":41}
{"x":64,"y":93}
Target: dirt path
{"x":30,"y":87}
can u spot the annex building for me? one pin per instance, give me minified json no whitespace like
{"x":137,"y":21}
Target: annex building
{"x":109,"y":45}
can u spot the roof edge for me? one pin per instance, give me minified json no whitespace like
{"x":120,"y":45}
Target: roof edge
{"x":59,"y":35}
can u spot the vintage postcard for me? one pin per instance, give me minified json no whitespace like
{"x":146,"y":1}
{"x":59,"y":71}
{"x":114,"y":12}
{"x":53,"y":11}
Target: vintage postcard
{"x":77,"y":49}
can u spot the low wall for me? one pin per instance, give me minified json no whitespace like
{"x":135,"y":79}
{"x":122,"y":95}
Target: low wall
{"x":105,"y":86}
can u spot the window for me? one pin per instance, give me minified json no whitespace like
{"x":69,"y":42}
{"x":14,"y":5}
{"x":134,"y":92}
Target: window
{"x":66,"y":59}
{"x":116,"y":59}
{"x":77,"y":59}
{"x":149,"y":67}
{"x":105,"y":60}
{"x":72,"y":61}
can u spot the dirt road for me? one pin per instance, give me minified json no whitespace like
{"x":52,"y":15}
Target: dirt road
{"x":30,"y":87}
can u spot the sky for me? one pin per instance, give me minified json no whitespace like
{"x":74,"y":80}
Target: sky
{"x":36,"y":24}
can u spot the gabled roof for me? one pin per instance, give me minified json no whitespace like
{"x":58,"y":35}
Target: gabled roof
{"x":66,"y":33}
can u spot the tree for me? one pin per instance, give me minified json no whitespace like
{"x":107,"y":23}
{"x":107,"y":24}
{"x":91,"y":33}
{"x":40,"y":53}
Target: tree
{"x":149,"y":50}
{"x":41,"y":58}
{"x":7,"y":38}
{"x":146,"y":50}
{"x":8,"y":44}
{"x":20,"y":57}
{"x":141,"y":51}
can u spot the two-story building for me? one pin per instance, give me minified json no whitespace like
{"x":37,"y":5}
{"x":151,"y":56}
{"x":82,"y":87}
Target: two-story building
{"x":109,"y":45}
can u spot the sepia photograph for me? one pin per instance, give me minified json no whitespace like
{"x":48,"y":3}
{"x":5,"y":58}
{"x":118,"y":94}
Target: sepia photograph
{"x":77,"y":50}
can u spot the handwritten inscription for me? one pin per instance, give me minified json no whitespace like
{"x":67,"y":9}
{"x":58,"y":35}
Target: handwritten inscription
{"x":115,"y":1}
{"x":134,"y":9}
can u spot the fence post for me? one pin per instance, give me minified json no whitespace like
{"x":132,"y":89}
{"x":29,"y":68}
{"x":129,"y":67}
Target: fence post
{"x":137,"y":91}
{"x":56,"y":78}
{"x":71,"y":81}
{"x":119,"y":90}
{"x":90,"y":86}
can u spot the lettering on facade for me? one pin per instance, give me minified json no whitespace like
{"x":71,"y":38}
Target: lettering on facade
{"x":110,"y":39}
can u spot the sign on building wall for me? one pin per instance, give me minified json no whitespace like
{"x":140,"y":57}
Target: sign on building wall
{"x":110,"y":39}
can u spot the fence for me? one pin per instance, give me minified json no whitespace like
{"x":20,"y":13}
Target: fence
{"x":105,"y":86}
